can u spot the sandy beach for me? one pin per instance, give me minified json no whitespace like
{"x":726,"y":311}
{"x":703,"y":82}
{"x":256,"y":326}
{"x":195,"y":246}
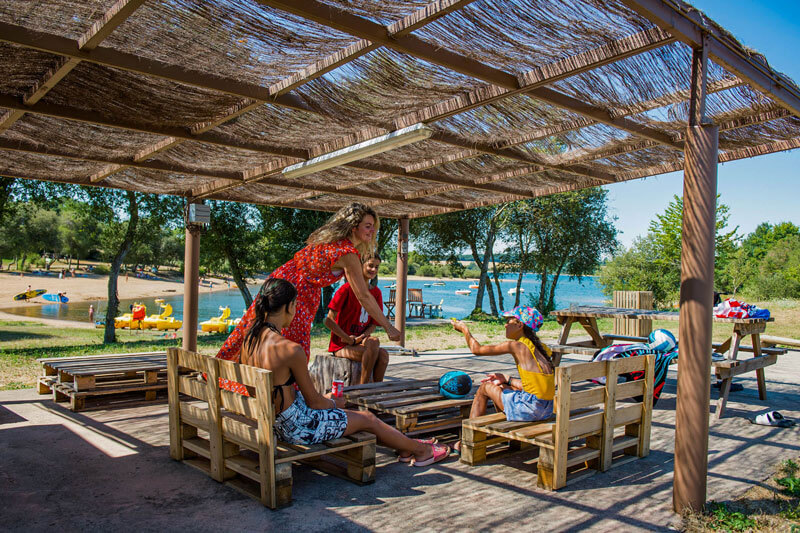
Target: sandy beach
{"x":90,"y":287}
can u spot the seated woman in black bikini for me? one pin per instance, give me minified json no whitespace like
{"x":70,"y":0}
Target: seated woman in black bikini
{"x":304,"y":416}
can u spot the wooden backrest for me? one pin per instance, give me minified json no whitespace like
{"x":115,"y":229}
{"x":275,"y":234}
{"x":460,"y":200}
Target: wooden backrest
{"x":603,"y":397}
{"x":392,"y":295}
{"x":227,"y":416}
{"x":414,"y":295}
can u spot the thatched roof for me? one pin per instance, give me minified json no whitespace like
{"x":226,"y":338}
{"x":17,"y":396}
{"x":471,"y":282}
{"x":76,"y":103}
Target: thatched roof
{"x":212,"y":99}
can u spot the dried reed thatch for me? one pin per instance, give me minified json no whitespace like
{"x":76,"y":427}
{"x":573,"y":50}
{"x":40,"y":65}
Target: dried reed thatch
{"x":212,"y":99}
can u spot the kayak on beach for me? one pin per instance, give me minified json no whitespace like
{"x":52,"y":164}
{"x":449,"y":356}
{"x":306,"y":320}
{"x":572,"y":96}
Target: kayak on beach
{"x":58,"y":298}
{"x":27,"y":295}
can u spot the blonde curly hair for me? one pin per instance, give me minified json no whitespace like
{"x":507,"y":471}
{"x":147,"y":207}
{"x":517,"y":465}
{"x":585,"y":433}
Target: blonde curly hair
{"x":341,"y":225}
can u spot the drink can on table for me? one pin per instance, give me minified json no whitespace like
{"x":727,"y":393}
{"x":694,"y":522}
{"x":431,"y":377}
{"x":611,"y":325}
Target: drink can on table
{"x":337,"y":388}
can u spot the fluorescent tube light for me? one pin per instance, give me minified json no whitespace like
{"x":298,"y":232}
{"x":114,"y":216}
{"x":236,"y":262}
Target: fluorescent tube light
{"x":384,"y":143}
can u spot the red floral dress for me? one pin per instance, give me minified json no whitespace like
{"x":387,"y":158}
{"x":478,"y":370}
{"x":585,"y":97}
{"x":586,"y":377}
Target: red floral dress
{"x":309,"y":271}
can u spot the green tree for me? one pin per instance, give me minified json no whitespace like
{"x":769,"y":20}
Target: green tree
{"x":235,"y":243}
{"x":757,"y":244}
{"x":473,"y":229}
{"x":77,"y":230}
{"x":778,"y":274}
{"x":658,"y":255}
{"x":564,"y":234}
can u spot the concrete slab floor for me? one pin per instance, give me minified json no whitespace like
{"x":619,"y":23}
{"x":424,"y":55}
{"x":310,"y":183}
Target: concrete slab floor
{"x":109,"y":469}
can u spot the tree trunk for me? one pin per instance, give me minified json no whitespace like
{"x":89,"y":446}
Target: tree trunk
{"x":110,"y":333}
{"x":542,"y":288}
{"x":238,"y":277}
{"x":496,"y":277}
{"x":519,"y":285}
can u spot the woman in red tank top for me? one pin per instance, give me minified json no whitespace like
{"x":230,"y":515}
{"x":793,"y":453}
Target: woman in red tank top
{"x":331,"y":251}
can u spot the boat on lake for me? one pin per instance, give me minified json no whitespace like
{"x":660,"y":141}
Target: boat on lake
{"x":464,"y":291}
{"x":438,"y":283}
{"x":473,"y":286}
{"x":514,"y":290}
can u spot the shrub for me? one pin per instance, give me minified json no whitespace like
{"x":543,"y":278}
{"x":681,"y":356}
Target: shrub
{"x":471,"y":273}
{"x":426,"y":270}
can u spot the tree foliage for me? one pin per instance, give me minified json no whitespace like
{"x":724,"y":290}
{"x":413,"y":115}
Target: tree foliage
{"x":557,"y":235}
{"x":653,"y":262}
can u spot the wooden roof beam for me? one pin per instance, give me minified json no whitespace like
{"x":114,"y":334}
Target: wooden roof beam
{"x":608,"y":53}
{"x":234,"y":178}
{"x":605,"y":152}
{"x":430,"y":13}
{"x":691,"y":27}
{"x":91,"y":117}
{"x":409,"y":44}
{"x":109,"y":57}
{"x":101,"y":29}
{"x":33,"y":148}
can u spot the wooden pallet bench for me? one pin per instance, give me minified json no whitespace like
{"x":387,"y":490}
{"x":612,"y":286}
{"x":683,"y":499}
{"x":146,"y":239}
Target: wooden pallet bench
{"x":230,"y":436}
{"x":589,"y":431}
{"x":75,"y":379}
{"x":416,"y":405}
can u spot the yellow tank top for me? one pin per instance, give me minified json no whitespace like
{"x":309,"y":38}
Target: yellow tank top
{"x":541,"y":385}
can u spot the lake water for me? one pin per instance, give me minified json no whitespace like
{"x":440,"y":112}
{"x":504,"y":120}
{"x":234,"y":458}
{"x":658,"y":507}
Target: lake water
{"x":583,"y":290}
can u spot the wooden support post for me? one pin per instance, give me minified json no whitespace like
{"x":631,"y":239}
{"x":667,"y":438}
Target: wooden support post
{"x":696,"y":299}
{"x":191,"y":279}
{"x":402,"y":277}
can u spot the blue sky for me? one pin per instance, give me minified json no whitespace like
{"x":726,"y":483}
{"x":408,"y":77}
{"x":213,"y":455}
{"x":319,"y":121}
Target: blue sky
{"x":760,"y":189}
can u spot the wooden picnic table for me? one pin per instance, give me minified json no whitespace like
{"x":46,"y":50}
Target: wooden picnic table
{"x":725,"y":370}
{"x":416,"y":405}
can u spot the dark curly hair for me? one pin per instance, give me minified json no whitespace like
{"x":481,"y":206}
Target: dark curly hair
{"x":274,"y":294}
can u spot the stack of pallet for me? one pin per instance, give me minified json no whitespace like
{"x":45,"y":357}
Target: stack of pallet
{"x":75,"y":379}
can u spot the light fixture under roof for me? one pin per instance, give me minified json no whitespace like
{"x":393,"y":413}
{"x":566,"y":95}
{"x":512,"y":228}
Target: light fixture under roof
{"x":384,"y":143}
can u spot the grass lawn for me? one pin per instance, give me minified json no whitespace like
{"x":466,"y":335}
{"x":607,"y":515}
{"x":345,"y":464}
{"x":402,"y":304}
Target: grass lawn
{"x":22,"y":343}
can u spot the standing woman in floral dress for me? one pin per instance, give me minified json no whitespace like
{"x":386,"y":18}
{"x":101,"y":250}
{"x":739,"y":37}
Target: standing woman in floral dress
{"x":332,"y":251}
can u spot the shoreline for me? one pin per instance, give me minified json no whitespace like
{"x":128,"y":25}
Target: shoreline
{"x":92,"y":287}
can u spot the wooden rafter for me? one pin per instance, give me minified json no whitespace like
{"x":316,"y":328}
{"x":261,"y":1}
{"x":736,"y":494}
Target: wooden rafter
{"x":605,"y":152}
{"x":118,"y":60}
{"x":101,"y":29}
{"x":540,"y":76}
{"x":691,"y":28}
{"x":409,"y":44}
{"x":233,"y":178}
{"x":410,"y":23}
{"x":416,"y":20}
{"x":724,"y":157}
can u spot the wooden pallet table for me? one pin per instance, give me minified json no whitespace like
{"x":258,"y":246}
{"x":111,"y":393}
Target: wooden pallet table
{"x":75,"y":379}
{"x":416,"y":405}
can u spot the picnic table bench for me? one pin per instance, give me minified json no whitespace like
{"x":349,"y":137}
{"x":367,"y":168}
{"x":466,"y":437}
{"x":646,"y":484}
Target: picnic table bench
{"x":416,"y":405}
{"x":726,"y":370}
{"x":75,"y":379}
{"x":582,"y":437}
{"x":238,"y":445}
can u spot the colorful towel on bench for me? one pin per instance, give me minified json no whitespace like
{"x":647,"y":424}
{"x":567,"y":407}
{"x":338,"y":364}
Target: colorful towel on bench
{"x":662,"y":361}
{"x":731,"y":308}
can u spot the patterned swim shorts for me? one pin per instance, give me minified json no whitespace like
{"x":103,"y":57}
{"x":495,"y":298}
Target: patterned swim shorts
{"x":299,"y":424}
{"x":521,"y":406}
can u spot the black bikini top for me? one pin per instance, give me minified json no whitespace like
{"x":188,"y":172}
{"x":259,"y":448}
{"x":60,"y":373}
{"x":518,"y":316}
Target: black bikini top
{"x":290,"y":381}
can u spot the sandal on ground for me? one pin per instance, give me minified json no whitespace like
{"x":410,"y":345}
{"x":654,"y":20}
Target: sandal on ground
{"x":457,"y":448}
{"x":407,"y":458}
{"x":772,"y":418}
{"x":440,"y":453}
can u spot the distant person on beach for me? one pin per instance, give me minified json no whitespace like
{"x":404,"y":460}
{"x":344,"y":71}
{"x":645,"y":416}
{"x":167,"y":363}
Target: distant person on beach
{"x":91,"y":313}
{"x":303,"y":416}
{"x":351,"y":326}
{"x":332,"y":251}
{"x":29,"y":288}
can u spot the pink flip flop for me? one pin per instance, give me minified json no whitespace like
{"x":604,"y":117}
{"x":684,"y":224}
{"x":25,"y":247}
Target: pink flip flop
{"x":440,"y":453}
{"x":407,"y":458}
